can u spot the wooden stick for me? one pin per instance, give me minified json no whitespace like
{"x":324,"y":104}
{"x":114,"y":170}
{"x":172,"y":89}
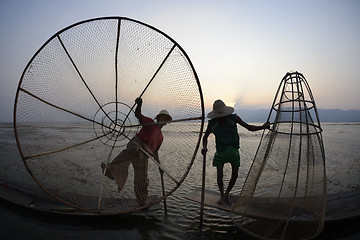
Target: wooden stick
{"x":202,"y":191}
{"x":163,"y":189}
{"x":158,"y":164}
{"x":62,"y":149}
{"x":158,"y":123}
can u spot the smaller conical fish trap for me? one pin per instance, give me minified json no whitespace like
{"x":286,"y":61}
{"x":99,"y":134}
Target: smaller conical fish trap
{"x":284,"y":195}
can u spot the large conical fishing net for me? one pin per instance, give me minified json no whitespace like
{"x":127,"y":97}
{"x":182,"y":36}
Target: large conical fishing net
{"x":284,"y":195}
{"x":75,"y":109}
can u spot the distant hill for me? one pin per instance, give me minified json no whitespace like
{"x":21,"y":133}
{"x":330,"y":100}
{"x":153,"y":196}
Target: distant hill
{"x":338,"y":115}
{"x":325,"y":115}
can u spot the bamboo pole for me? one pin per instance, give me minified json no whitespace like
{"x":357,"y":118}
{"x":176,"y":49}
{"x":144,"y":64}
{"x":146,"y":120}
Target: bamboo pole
{"x":202,"y":191}
{"x":163,"y":188}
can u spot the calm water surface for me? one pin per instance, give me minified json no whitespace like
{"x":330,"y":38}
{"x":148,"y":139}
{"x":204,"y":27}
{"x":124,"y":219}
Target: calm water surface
{"x":342,"y":147}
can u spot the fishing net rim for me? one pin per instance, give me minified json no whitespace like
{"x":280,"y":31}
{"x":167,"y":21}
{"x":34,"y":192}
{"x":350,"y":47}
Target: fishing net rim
{"x":202,"y":118}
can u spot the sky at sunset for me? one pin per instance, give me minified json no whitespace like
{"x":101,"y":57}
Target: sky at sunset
{"x":240,"y":49}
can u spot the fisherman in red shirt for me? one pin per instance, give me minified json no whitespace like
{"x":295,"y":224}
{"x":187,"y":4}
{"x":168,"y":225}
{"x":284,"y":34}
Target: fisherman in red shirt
{"x":148,"y":138}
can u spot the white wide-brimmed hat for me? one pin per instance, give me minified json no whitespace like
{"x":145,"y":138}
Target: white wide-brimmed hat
{"x":220,"y":110}
{"x":166,"y":114}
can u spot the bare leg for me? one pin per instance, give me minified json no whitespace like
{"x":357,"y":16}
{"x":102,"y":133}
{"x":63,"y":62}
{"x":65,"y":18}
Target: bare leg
{"x":220,"y":183}
{"x":234,"y":175}
{"x":141,"y":181}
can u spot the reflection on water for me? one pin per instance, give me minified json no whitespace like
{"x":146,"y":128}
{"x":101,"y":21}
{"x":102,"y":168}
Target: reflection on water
{"x":342,"y":149}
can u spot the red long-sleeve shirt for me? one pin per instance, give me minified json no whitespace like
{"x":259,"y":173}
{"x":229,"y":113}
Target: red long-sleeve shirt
{"x":150,"y":134}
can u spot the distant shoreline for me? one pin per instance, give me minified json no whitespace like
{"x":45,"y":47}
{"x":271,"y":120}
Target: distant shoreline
{"x":260,"y":115}
{"x":325,"y":115}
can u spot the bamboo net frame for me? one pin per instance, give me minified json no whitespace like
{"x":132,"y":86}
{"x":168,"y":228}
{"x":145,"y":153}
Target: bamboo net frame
{"x":74,"y":109}
{"x":284,"y":195}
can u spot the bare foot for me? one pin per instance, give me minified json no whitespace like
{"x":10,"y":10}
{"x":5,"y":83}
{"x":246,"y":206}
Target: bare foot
{"x":226,"y":200}
{"x":221,"y":201}
{"x":141,"y":202}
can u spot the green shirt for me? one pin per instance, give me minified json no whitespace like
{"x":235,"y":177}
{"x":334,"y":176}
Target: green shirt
{"x":226,"y":134}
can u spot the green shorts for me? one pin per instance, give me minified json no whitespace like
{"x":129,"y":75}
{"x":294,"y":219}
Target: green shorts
{"x":230,"y":155}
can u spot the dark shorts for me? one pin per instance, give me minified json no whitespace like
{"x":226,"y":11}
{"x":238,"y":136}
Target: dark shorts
{"x":230,"y":155}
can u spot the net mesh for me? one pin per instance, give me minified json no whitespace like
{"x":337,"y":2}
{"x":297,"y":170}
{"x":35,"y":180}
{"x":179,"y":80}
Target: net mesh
{"x":284,"y":195}
{"x":75,"y":107}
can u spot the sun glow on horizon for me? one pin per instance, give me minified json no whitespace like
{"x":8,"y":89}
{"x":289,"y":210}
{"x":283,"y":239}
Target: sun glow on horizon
{"x":231,"y":104}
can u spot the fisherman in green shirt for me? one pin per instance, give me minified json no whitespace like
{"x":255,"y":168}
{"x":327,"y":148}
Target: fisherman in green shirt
{"x":223,"y":124}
